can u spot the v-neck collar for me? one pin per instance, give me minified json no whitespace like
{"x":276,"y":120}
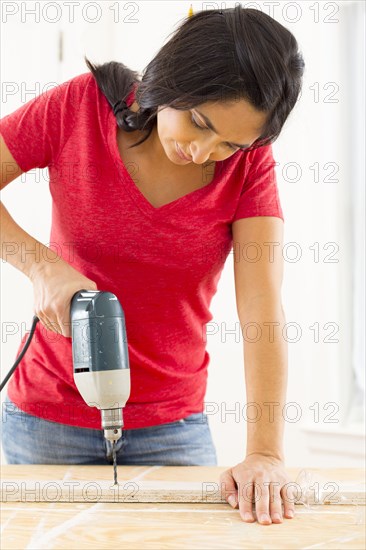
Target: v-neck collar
{"x":138,"y":197}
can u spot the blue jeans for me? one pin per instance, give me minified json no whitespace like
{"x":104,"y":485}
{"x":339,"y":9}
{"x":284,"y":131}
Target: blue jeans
{"x":27,"y":439}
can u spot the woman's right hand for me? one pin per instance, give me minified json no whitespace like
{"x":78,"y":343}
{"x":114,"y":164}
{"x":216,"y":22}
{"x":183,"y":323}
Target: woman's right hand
{"x":54,"y":285}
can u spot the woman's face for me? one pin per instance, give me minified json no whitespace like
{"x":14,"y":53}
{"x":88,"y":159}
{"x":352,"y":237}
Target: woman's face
{"x":235,"y":123}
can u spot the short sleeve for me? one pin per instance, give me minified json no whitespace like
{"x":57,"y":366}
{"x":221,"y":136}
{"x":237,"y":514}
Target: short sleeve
{"x":36,"y":132}
{"x":259,"y":195}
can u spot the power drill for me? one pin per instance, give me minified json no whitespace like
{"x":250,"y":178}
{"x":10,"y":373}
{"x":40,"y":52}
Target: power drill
{"x":100,"y":357}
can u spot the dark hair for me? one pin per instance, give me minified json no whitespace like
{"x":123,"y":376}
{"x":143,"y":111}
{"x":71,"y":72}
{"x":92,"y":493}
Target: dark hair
{"x":215,"y":55}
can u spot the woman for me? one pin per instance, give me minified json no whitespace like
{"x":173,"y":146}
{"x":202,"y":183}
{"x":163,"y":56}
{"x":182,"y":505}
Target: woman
{"x":153,"y":182}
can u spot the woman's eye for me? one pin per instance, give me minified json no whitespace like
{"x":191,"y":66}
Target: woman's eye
{"x":203,"y":128}
{"x":197,"y":125}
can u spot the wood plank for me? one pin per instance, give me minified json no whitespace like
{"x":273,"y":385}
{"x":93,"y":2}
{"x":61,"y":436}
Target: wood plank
{"x":88,"y":484}
{"x":58,"y":525}
{"x":179,"y":526}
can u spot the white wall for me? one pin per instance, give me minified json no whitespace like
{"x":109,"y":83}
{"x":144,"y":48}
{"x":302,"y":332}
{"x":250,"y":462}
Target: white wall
{"x":316,"y":133}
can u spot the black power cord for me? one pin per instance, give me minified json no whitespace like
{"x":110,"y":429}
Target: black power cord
{"x":33,"y":328}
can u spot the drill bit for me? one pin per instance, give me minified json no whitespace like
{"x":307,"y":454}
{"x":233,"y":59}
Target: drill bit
{"x":114,"y":463}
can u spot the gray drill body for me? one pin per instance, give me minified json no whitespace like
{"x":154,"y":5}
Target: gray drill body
{"x":100,"y":356}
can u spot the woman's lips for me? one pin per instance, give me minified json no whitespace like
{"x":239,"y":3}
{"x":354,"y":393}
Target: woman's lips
{"x":180,"y":152}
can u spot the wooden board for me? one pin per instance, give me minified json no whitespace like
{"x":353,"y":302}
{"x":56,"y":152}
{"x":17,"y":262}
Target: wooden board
{"x":58,"y":525}
{"x":175,"y":526}
{"x":155,"y":484}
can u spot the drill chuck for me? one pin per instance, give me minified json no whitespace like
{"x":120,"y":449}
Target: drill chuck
{"x":112,"y":423}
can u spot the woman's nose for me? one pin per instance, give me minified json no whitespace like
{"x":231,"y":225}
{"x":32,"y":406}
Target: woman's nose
{"x":200,"y":152}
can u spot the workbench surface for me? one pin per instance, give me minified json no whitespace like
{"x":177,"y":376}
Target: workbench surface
{"x":103,"y":525}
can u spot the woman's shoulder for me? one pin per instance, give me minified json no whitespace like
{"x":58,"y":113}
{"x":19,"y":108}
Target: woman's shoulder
{"x":81,"y":81}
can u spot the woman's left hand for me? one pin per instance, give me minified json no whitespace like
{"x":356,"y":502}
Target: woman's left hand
{"x":264,"y":478}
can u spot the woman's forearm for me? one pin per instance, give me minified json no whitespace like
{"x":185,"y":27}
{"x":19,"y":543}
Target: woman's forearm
{"x":265,"y":360}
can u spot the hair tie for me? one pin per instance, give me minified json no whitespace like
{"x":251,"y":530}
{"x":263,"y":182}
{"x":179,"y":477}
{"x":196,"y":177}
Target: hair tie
{"x":120,"y":105}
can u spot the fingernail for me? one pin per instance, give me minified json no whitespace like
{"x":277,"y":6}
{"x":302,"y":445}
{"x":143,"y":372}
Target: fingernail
{"x":264,"y":517}
{"x":276,"y":516}
{"x":290,"y":513}
{"x":231,"y":500}
{"x":248,"y":516}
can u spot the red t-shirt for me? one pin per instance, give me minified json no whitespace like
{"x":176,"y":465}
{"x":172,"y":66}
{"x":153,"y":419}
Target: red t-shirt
{"x":163,"y":263}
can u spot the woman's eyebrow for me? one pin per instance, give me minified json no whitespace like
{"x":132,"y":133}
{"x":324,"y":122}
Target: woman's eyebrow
{"x":211,"y":126}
